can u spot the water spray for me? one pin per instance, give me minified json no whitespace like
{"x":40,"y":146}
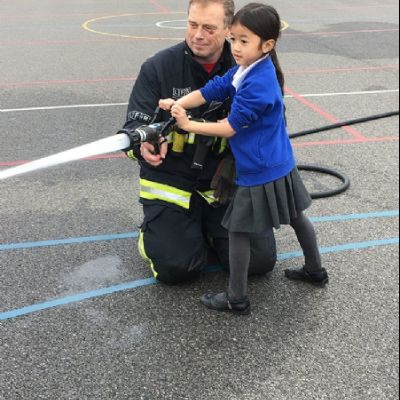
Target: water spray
{"x":103,"y":146}
{"x":124,"y":140}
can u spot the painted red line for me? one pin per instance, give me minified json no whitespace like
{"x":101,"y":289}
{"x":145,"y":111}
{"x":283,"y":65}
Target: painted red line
{"x":67,"y":82}
{"x":356,"y":8}
{"x":106,"y":157}
{"x":52,"y":16}
{"x":356,"y":134}
{"x":102,"y":157}
{"x":303,"y":144}
{"x":56,"y":42}
{"x":12,"y":163}
{"x":339,"y":33}
{"x":159,"y":6}
{"x":338,"y":70}
{"x":349,"y":141}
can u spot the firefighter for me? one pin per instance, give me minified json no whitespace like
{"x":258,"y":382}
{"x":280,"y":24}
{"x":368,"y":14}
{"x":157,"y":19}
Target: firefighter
{"x":186,"y":186}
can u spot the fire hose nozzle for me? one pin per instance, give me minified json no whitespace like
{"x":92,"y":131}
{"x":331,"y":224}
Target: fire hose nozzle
{"x":142,"y":134}
{"x":154,"y":133}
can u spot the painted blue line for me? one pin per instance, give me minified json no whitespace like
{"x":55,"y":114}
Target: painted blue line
{"x":132,"y":235}
{"x":63,"y":242}
{"x":76,"y":298}
{"x":344,"y":247}
{"x":352,"y":217}
{"x":151,"y":281}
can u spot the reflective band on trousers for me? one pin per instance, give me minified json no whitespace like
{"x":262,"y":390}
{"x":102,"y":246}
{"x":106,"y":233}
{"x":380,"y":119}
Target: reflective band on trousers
{"x":157,"y":191}
{"x":143,"y":253}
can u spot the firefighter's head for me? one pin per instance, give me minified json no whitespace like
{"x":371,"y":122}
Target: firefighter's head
{"x":208,"y":26}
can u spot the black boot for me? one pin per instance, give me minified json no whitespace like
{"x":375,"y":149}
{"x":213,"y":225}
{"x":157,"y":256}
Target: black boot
{"x":220,"y":302}
{"x":301,"y":274}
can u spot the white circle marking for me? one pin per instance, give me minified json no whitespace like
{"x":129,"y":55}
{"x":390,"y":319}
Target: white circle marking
{"x":164,"y":24}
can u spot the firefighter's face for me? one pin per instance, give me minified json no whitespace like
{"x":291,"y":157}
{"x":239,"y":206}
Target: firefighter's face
{"x":207,"y":31}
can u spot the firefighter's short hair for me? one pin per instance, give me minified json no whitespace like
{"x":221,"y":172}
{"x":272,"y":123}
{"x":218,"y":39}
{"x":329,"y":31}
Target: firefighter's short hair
{"x":229,"y":7}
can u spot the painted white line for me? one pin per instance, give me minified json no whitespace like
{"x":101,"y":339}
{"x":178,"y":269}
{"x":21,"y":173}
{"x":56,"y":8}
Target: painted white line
{"x":368,"y":92}
{"x":10,"y":110}
{"x":169,"y":24}
{"x":64,"y":107}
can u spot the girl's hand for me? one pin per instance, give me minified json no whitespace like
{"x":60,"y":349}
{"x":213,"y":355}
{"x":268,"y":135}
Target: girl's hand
{"x":166,"y":104}
{"x":179,"y":113}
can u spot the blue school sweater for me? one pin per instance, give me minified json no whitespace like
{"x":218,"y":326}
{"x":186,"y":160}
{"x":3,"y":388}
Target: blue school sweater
{"x":261,"y":145}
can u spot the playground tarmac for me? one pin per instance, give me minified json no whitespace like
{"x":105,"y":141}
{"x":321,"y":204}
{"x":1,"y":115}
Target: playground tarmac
{"x":81,"y":316}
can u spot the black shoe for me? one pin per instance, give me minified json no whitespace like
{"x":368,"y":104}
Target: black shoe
{"x":301,"y":274}
{"x":220,"y":302}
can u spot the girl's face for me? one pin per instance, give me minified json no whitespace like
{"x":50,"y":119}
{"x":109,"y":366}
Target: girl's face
{"x":247,"y":47}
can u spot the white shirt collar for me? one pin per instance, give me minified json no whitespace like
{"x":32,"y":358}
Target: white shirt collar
{"x":242,"y":72}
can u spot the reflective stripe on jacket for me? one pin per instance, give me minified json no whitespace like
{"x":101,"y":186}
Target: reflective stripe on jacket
{"x":157,"y":191}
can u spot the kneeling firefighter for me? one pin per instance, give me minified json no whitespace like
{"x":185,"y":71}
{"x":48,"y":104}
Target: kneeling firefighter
{"x":185,"y":189}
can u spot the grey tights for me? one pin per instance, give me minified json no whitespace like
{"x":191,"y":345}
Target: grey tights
{"x":240,"y":252}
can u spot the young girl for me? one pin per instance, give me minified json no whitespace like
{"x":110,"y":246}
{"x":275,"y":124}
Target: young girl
{"x":270,"y":191}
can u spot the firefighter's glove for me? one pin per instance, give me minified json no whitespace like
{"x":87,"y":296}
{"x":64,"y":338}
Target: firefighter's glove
{"x":223,"y":182}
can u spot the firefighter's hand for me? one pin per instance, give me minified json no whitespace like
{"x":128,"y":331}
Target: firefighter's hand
{"x":179,"y":113}
{"x":166,"y":104}
{"x":147,"y":151}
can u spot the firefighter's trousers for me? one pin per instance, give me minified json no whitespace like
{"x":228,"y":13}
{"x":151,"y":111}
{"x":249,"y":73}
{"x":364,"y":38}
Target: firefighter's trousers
{"x":177,"y":243}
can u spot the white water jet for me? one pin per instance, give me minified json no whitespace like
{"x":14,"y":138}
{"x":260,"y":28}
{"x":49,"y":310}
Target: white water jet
{"x":103,"y":146}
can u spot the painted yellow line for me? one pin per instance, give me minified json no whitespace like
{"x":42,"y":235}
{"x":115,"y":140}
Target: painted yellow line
{"x":86,"y":26}
{"x":285,"y":25}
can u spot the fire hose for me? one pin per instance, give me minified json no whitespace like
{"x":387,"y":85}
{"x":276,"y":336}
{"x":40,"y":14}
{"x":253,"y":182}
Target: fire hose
{"x":328,"y":171}
{"x":156,"y":134}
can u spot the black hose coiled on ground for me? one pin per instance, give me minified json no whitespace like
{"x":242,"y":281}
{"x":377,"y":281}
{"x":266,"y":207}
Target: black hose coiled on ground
{"x":328,"y":171}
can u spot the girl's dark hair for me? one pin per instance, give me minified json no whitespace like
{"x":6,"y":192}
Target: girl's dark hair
{"x":265,"y":22}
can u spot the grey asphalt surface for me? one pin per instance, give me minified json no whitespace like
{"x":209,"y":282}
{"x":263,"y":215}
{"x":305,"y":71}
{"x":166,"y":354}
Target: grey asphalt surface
{"x":156,"y":342}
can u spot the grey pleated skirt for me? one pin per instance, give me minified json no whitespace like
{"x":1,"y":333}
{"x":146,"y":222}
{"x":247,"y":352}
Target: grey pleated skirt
{"x":260,"y":208}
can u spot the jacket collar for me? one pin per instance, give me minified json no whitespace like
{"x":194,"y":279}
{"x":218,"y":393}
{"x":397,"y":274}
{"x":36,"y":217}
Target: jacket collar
{"x":225,"y":62}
